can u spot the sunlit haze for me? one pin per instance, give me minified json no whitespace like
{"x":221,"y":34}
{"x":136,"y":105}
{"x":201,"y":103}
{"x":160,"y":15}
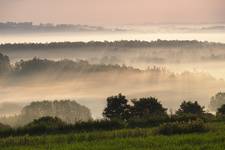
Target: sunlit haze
{"x":88,"y":50}
{"x":113,"y":12}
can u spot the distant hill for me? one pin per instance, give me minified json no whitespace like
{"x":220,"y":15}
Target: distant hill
{"x":29,"y":27}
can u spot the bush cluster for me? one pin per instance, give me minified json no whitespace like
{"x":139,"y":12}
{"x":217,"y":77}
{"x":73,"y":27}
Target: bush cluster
{"x":49,"y":125}
{"x":182,"y":127}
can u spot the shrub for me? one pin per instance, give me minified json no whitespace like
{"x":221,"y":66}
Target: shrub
{"x":207,"y":117}
{"x":182,"y":127}
{"x":43,"y":125}
{"x":98,"y":125}
{"x":4,"y":129}
{"x":49,"y":125}
{"x":4,"y":126}
{"x":184,"y":118}
{"x":147,"y":122}
{"x":221,"y":111}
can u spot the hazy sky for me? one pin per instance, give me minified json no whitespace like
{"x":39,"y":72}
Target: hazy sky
{"x":113,"y":12}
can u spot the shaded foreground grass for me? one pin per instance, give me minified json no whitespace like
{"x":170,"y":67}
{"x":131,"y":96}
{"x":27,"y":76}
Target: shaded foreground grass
{"x":120,"y":139}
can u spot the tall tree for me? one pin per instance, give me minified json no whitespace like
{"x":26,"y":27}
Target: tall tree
{"x":190,"y":108}
{"x":117,"y":108}
{"x":221,"y":111}
{"x":149,"y":106}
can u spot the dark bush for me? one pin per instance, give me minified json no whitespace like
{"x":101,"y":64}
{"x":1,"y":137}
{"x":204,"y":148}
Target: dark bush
{"x":4,"y":126}
{"x":44,"y":125}
{"x":220,"y":114}
{"x":147,"y":122}
{"x":221,"y":111}
{"x":5,"y":129}
{"x":182,"y":127}
{"x":98,"y":125}
{"x":55,"y":125}
{"x":207,"y":117}
{"x":48,"y":122}
{"x":49,"y":125}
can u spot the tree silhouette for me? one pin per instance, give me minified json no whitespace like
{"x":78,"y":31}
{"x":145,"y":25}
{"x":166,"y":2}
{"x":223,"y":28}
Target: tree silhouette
{"x":221,"y":110}
{"x":190,"y":108}
{"x":217,"y":101}
{"x":117,"y":108}
{"x":149,"y":106}
{"x":5,"y":66}
{"x":67,"y":110}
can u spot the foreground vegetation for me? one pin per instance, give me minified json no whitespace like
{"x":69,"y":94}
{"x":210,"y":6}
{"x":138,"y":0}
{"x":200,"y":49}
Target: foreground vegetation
{"x":138,"y":138}
{"x":142,"y":124}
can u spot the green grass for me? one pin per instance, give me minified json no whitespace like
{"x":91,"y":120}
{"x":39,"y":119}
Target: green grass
{"x":125,"y":139}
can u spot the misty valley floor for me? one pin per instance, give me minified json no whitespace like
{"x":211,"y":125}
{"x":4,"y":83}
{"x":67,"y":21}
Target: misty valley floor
{"x":128,"y":139}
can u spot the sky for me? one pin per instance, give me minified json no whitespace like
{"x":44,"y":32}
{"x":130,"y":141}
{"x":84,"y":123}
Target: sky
{"x":113,"y":12}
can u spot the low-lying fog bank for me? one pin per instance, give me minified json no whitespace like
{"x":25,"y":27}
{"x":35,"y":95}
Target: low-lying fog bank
{"x":177,"y":56}
{"x":90,"y":84}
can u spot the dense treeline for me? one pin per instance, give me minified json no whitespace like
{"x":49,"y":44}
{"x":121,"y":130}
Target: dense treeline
{"x":36,"y":65}
{"x":119,"y":113}
{"x":130,"y":53}
{"x":146,"y":108}
{"x":113,"y":45}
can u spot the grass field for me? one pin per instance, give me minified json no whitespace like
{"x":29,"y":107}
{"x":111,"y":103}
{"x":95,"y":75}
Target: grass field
{"x":126,"y":139}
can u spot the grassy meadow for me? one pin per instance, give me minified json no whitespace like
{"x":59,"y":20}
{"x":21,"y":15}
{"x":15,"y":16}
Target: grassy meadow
{"x":128,"y":139}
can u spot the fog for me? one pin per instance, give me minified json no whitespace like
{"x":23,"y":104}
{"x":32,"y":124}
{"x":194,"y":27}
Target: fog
{"x":191,"y":56}
{"x":29,"y":33}
{"x":60,"y":52}
{"x":190,"y":71}
{"x":59,"y":37}
{"x":92,"y":90}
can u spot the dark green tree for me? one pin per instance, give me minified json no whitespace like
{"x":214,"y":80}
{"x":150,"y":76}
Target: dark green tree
{"x":117,"y":108}
{"x":146,"y":107}
{"x":48,"y":122}
{"x":190,"y":108}
{"x":221,"y":111}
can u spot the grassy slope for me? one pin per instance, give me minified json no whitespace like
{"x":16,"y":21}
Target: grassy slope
{"x":120,"y":139}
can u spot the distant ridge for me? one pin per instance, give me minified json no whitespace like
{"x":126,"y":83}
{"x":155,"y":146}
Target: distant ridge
{"x":115,"y":44}
{"x":29,"y":27}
